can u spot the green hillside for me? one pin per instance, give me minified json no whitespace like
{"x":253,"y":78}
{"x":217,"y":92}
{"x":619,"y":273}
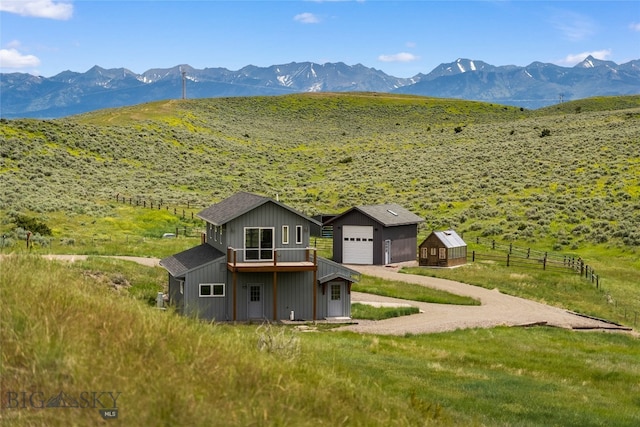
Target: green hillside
{"x":568,"y":176}
{"x":563,"y":179}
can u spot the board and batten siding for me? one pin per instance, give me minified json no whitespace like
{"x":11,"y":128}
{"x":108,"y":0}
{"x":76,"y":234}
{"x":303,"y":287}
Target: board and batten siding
{"x":207,"y":307}
{"x":273,"y":216}
{"x":404,"y":242}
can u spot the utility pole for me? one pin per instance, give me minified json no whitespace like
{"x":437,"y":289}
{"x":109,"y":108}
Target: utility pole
{"x":184,"y":83}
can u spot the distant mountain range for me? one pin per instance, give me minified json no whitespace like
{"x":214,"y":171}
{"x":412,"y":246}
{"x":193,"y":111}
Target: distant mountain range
{"x":534,"y":86}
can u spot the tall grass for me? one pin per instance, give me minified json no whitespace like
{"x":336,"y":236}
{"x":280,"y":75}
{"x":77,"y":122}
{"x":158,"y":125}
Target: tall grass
{"x":62,"y":330}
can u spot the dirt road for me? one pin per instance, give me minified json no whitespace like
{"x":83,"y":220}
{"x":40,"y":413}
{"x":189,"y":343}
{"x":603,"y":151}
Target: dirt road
{"x":495,"y":309}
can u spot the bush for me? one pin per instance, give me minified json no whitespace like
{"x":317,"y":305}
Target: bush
{"x":31,"y":224}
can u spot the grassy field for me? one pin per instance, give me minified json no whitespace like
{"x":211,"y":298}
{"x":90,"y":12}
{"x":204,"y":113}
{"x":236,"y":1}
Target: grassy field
{"x":63,"y":328}
{"x":564,"y":179}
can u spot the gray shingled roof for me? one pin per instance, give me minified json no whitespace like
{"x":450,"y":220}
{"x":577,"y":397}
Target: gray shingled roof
{"x":181,"y":263}
{"x":390,"y":214}
{"x":450,"y":238}
{"x":239,"y":204}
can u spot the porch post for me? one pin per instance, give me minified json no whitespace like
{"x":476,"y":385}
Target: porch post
{"x":275,"y":295}
{"x":234,"y":294}
{"x":315,"y":293}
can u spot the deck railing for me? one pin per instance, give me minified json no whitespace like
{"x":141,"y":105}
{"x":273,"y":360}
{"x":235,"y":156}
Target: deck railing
{"x":281,"y":256}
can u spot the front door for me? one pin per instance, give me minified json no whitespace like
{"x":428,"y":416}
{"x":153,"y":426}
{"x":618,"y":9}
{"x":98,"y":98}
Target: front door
{"x":255,"y":308}
{"x":335,"y":300}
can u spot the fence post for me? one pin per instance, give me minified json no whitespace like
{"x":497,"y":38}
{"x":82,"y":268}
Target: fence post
{"x":528,"y":252}
{"x":473,"y":256}
{"x":597,"y":282}
{"x":544,"y":262}
{"x":510,"y":248}
{"x":493,"y":244}
{"x":508,"y":260}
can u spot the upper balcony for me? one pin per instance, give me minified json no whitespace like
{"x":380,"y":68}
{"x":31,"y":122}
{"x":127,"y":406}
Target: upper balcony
{"x":271,"y":260}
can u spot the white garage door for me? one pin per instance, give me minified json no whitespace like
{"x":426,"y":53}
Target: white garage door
{"x":357,"y":244}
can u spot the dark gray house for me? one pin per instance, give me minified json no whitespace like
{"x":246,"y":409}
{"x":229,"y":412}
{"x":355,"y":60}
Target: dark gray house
{"x":256,"y":263}
{"x":442,"y":249}
{"x":375,"y":234}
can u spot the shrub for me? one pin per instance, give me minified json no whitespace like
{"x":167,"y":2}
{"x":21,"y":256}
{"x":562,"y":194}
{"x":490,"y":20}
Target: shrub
{"x":545,"y":132}
{"x":31,"y":224}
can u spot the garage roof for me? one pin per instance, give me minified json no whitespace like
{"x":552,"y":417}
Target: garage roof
{"x":388,"y":215}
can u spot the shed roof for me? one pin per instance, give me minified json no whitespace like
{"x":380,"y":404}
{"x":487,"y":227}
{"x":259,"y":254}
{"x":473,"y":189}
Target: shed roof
{"x":390,"y":214}
{"x":336,"y":275}
{"x":450,"y":238}
{"x":239,"y":204}
{"x":181,"y":263}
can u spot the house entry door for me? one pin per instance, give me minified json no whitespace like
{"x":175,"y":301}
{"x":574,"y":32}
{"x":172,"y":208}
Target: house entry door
{"x":255,"y":307}
{"x":334,"y":308}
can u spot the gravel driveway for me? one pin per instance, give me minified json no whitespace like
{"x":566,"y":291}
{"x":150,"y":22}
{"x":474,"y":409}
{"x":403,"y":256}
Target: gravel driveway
{"x":495,"y":309}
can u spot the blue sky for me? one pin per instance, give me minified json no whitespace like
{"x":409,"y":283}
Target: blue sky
{"x":401,"y":38}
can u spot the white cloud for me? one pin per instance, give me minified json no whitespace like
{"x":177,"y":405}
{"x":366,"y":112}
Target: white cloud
{"x":11,"y":58}
{"x":306,"y":18}
{"x":38,"y":8}
{"x":398,"y":57}
{"x":574,"y":58}
{"x":635,"y":26}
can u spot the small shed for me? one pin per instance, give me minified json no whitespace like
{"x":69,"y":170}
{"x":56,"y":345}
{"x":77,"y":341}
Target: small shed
{"x":442,"y":249}
{"x":375,"y":235}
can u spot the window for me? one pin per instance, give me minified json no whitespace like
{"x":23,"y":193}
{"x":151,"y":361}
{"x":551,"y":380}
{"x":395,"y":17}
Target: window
{"x":335,"y":292}
{"x":211,"y":289}
{"x":443,"y":253}
{"x":298,"y":234}
{"x":215,"y":233}
{"x":258,"y":244}
{"x":181,"y":286}
{"x":285,"y":234}
{"x":433,"y":251}
{"x":424,"y":252}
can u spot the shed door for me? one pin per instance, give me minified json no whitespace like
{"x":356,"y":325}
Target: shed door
{"x":334,"y":308}
{"x":357,"y":244}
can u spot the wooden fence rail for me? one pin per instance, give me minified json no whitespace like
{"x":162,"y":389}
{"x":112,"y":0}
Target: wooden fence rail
{"x":159,"y":205}
{"x":543,"y":263}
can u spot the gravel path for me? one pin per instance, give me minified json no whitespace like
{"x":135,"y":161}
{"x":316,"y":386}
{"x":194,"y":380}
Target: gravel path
{"x":495,"y":309}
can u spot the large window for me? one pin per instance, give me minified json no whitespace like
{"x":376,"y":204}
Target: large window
{"x":211,"y":289}
{"x":258,"y":244}
{"x":285,"y":234}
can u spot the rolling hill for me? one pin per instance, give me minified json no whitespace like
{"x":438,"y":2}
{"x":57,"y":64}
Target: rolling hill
{"x":566,"y":175}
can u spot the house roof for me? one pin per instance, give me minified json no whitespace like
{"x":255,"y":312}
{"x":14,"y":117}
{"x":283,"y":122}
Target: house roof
{"x":450,"y":238}
{"x":390,"y":214}
{"x":181,"y":263}
{"x":239,"y":204}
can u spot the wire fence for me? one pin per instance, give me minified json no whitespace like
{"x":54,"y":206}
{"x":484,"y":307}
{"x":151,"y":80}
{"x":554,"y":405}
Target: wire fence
{"x":527,"y":258}
{"x":189,"y":213}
